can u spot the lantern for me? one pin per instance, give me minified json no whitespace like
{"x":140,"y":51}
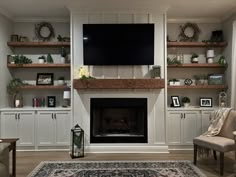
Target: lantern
{"x":77,"y":142}
{"x":222,"y":99}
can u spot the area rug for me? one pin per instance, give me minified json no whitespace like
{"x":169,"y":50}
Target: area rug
{"x":116,"y":169}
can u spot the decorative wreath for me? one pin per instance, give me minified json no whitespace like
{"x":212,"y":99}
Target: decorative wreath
{"x":185,"y":37}
{"x":38,"y":31}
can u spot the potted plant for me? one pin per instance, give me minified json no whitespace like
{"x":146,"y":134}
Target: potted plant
{"x":194,"y":58}
{"x":49,"y":58}
{"x":13,"y":89}
{"x":63,"y":55}
{"x":185,"y":101}
{"x":42,"y":59}
{"x":174,"y":82}
{"x":61,"y":80}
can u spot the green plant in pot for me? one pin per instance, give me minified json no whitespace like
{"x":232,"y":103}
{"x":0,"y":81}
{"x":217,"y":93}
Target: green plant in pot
{"x":185,"y":101}
{"x":61,"y":80}
{"x":42,"y":59}
{"x":194,"y":58}
{"x":63,"y":55}
{"x":13,"y":89}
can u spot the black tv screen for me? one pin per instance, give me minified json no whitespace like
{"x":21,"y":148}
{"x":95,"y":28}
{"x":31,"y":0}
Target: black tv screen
{"x":118,"y":44}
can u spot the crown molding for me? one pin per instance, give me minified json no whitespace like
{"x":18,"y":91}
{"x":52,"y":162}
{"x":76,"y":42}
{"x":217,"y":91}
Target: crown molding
{"x":194,"y":20}
{"x":229,"y":15}
{"x":6,"y":13}
{"x":40,"y":19}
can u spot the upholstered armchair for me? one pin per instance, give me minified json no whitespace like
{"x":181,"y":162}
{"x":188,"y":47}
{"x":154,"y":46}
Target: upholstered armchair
{"x":4,"y":159}
{"x":223,"y":142}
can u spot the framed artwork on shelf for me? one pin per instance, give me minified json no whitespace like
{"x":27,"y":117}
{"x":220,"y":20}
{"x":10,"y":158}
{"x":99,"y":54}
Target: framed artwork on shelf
{"x":215,"y":79}
{"x":14,"y":38}
{"x":175,"y":101}
{"x":44,"y":79}
{"x":51,"y":101}
{"x":205,"y":102}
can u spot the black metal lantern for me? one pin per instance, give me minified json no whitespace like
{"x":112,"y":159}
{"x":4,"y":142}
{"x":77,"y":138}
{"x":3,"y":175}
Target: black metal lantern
{"x":77,"y":142}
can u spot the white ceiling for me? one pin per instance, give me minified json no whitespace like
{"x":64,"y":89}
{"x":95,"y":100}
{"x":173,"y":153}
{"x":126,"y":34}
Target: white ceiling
{"x":176,"y":9}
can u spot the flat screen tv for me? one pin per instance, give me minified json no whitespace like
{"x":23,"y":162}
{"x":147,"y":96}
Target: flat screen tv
{"x":118,"y":44}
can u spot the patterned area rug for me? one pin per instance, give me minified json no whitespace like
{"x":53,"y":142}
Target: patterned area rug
{"x":116,"y":169}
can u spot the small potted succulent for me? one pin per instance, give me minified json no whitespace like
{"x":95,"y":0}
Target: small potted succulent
{"x":42,"y":59}
{"x":61,"y":80}
{"x":194,"y":58}
{"x":174,"y":82}
{"x":185,"y":101}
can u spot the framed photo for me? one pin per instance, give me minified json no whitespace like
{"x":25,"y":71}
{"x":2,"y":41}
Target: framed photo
{"x":44,"y":79}
{"x":215,"y":79}
{"x":175,"y":101}
{"x":14,"y":37}
{"x":51,"y":101}
{"x":205,"y":102}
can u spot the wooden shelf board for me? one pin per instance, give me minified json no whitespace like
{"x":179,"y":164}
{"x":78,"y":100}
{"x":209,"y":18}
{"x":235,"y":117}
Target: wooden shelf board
{"x":197,"y":65}
{"x":38,"y":44}
{"x":196,"y":44}
{"x":119,"y":84}
{"x":43,"y":87}
{"x":197,"y":87}
{"x":35,"y":65}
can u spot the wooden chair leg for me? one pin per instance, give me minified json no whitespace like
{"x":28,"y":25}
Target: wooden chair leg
{"x":221,"y":163}
{"x":195,"y":154}
{"x":215,"y":156}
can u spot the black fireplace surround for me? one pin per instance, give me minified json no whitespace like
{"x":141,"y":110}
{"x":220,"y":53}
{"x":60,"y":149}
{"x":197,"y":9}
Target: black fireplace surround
{"x":118,"y":120}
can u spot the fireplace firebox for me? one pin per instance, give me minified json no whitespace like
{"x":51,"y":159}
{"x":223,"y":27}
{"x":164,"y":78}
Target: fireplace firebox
{"x":118,"y":120}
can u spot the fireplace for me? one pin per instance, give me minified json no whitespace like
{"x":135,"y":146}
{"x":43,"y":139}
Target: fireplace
{"x":118,"y":120}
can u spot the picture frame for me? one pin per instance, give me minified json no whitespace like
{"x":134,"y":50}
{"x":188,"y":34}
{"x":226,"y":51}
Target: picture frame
{"x":44,"y":79}
{"x":175,"y":101}
{"x":215,"y":79}
{"x":51,"y":101}
{"x":14,"y":38}
{"x":205,"y":102}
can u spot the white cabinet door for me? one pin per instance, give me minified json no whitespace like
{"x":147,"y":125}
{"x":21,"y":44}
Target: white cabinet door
{"x":205,"y":120}
{"x":9,"y":125}
{"x":18,"y":125}
{"x":62,"y":128}
{"x":26,"y":128}
{"x":53,"y":128}
{"x":174,"y":127}
{"x":45,"y":128}
{"x":190,"y":126}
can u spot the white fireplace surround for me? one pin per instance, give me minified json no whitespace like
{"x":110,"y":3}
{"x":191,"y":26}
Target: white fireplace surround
{"x":156,"y":97}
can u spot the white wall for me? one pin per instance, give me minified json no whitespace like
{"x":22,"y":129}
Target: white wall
{"x":5,"y":33}
{"x":156,"y":99}
{"x":229,"y":27}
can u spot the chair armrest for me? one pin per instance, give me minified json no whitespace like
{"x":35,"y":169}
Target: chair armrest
{"x":234,"y":133}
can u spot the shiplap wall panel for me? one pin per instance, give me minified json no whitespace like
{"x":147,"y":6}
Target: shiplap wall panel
{"x":126,"y":18}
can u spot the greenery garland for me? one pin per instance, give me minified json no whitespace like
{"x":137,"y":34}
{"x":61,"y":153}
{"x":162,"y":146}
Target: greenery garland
{"x":194,"y":37}
{"x":40,"y":26}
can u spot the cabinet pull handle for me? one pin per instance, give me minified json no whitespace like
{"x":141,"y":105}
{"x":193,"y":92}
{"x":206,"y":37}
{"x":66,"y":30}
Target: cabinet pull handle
{"x":52,"y":115}
{"x":184,"y":115}
{"x":15,"y":116}
{"x":181,"y":115}
{"x":55,"y":116}
{"x":18,"y":116}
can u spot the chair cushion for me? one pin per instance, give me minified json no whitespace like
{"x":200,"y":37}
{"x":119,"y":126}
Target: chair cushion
{"x":217,"y":143}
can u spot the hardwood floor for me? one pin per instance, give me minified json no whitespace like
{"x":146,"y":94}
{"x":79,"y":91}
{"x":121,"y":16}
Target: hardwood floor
{"x":27,"y":161}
